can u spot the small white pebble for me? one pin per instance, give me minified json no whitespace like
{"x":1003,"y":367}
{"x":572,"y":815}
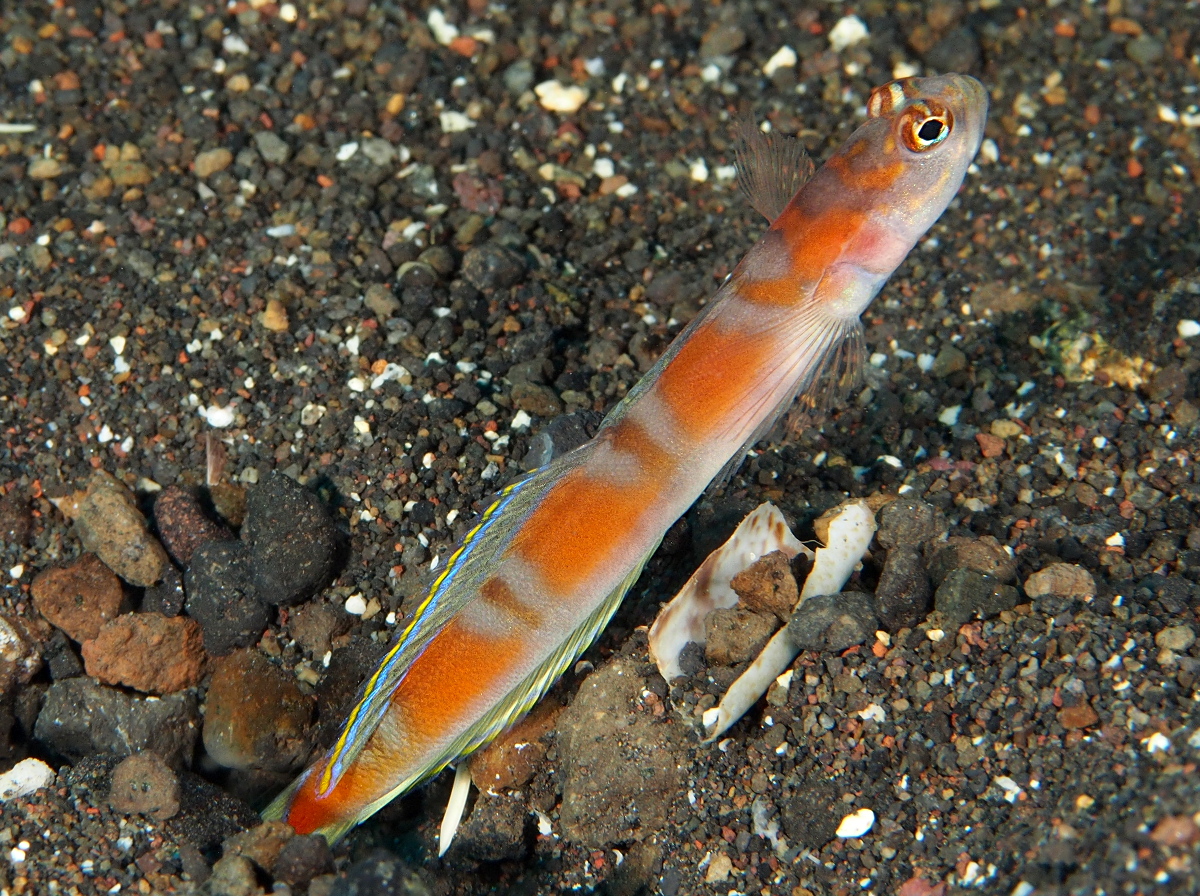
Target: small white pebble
{"x":288,"y":12}
{"x":555,"y":96}
{"x":1116,"y":540}
{"x":17,"y":313}
{"x":603,"y":168}
{"x":355,"y":605}
{"x":235,"y":45}
{"x":521,"y":420}
{"x":346,"y":151}
{"x":904,"y":70}
{"x":443,"y":32}
{"x":856,"y":824}
{"x":1167,"y":114}
{"x":785,"y":57}
{"x":935,"y":635}
{"x":1188,"y":328}
{"x":356,"y":384}
{"x":17,"y":571}
{"x":24,"y":777}
{"x":925,"y":362}
{"x":118,"y":344}
{"x":453,"y":122}
{"x":848,"y":31}
{"x":1157,"y":743}
{"x":949,"y":416}
{"x":626,"y":190}
{"x":699,"y":171}
{"x":361,"y":426}
{"x":217,"y":418}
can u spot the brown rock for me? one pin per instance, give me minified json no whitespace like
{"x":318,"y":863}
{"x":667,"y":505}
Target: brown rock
{"x":211,"y":161}
{"x":182,"y":524}
{"x":109,"y":524}
{"x":78,"y":598}
{"x":262,"y":844}
{"x":143,"y":783}
{"x":513,"y":758}
{"x":1175,"y":830}
{"x":257,"y":717}
{"x":148,"y":652}
{"x":1061,"y":580}
{"x":1081,"y":716}
{"x":315,"y":624}
{"x":130,"y":174}
{"x":619,"y":767}
{"x":768,"y":586}
{"x":736,"y":635}
{"x":990,"y":445}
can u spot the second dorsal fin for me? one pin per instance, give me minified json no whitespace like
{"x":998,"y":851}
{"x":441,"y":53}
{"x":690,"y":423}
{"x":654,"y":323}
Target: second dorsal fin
{"x":771,"y":167}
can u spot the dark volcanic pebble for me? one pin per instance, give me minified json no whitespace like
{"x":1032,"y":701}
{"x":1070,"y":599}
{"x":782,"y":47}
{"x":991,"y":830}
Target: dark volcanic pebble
{"x":222,"y":597}
{"x":167,"y":596}
{"x":79,"y":598}
{"x":380,"y":874}
{"x":291,"y":539}
{"x":144,"y":784}
{"x":182,"y":524}
{"x":16,"y":519}
{"x":907,"y":522}
{"x":302,"y":859}
{"x":490,"y":267}
{"x":903,"y":596}
{"x":966,"y":594}
{"x":80,"y":717}
{"x":812,"y":813}
{"x":833,"y":622}
{"x":495,"y":830}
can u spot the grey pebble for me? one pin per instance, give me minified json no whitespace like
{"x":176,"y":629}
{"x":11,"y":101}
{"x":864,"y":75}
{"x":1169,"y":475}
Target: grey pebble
{"x":966,"y":594}
{"x":81,"y":717}
{"x":903,"y":596}
{"x":833,"y":622}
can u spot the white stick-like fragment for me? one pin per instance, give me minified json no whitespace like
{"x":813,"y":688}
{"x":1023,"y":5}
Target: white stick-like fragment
{"x":850,"y":533}
{"x":682,"y":620}
{"x":454,"y":807}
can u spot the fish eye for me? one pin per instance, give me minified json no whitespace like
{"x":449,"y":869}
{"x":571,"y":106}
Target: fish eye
{"x":926,"y":128}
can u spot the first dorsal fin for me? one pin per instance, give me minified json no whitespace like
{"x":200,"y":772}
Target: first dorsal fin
{"x":771,"y":167}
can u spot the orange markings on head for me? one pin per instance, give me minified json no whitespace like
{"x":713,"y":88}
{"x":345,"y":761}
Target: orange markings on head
{"x":579,"y":526}
{"x":817,"y":241}
{"x":874,"y":177}
{"x":714,"y":374}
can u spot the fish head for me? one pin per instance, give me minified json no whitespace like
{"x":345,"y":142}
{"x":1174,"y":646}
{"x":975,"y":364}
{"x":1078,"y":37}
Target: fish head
{"x":924,"y":132}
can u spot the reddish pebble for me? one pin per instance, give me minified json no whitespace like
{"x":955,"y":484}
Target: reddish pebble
{"x":1081,"y":716}
{"x":147,"y":652}
{"x":79,"y":598}
{"x":990,"y":445}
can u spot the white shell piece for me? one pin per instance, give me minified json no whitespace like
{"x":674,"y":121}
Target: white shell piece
{"x":682,"y":620}
{"x":850,"y":534}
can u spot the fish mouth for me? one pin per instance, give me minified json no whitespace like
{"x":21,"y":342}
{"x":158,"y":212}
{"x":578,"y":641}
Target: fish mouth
{"x":974,"y":102}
